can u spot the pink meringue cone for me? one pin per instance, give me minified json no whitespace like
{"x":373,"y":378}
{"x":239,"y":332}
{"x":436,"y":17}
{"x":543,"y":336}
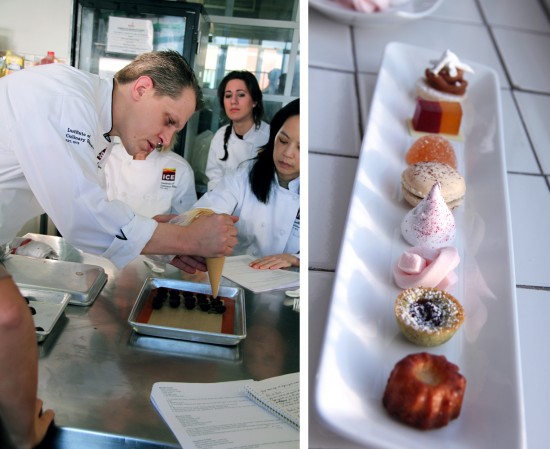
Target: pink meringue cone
{"x":431,"y":223}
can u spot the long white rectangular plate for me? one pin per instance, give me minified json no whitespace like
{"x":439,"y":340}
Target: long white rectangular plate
{"x":362,"y":341}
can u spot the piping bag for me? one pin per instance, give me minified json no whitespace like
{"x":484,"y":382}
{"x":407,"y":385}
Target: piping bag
{"x":214,"y":265}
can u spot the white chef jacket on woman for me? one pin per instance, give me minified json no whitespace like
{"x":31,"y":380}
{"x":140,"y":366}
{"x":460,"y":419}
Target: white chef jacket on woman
{"x":263,"y":229}
{"x":54,"y":121}
{"x":238,"y":150}
{"x":163,"y":183}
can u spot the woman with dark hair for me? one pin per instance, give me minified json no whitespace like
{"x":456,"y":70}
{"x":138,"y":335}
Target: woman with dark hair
{"x":240,"y":98}
{"x":265,"y":195}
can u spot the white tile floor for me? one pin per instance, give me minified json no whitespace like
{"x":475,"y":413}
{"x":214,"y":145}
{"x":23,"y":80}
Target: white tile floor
{"x":512,"y":37}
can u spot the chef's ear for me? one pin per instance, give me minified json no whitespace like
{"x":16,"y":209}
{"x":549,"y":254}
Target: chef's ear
{"x":141,"y":85}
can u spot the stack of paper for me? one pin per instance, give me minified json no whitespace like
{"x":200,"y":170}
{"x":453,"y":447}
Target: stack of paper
{"x":222,"y":415}
{"x":237,"y":269}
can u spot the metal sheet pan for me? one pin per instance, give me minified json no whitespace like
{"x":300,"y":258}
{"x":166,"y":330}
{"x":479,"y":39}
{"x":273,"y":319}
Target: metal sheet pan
{"x":234,"y":293}
{"x":49,"y":307}
{"x":82,"y":281}
{"x":184,"y":348}
{"x":63,"y":249}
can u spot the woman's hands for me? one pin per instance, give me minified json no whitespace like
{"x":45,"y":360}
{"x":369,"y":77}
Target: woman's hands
{"x":275,"y":262}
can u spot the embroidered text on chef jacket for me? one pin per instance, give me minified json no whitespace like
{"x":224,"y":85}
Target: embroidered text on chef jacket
{"x":54,"y":122}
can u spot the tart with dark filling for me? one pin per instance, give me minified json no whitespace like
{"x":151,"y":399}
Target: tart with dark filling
{"x":428,"y":316}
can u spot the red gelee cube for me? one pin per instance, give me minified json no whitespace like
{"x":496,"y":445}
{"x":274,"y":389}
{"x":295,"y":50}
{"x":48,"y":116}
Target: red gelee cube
{"x":437,"y":116}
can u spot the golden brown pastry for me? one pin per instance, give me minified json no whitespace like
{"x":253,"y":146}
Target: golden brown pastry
{"x":424,"y":391}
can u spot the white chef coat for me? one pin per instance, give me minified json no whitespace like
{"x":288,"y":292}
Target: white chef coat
{"x":163,"y":183}
{"x":54,"y":121}
{"x":238,"y":150}
{"x":263,"y":229}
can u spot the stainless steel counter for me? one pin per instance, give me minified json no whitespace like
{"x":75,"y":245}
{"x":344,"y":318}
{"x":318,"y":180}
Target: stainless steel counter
{"x":97,"y":373}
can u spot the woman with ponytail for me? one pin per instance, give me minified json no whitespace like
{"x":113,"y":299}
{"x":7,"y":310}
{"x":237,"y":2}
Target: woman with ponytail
{"x":240,"y":98}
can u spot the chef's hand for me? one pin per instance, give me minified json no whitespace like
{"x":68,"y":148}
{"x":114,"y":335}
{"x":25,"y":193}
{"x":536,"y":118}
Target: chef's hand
{"x":213,"y":235}
{"x":275,"y":262}
{"x":43,"y":419}
{"x":189,"y":264}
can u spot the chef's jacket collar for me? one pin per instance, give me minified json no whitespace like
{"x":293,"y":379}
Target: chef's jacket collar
{"x":293,"y":186}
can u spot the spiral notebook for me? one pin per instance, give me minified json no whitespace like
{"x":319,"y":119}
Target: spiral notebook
{"x":238,"y":414}
{"x":280,"y":395}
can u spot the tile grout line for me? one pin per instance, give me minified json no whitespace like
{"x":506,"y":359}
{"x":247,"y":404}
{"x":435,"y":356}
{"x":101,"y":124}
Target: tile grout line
{"x":329,"y":69}
{"x":327,"y":153}
{"x":533,"y":287}
{"x":522,"y":30}
{"x":513,"y":89}
{"x":489,"y":29}
{"x":514,"y":172}
{"x":529,"y":139}
{"x":322,"y":270}
{"x":545,"y":9}
{"x":356,"y":85}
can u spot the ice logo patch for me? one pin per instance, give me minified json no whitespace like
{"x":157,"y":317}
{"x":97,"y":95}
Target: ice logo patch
{"x":169,"y":174}
{"x":168,"y":178}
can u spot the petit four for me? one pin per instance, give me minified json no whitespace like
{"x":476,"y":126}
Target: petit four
{"x":432,"y":148}
{"x":425,"y":267}
{"x":418,"y":179}
{"x":444,"y":80}
{"x":428,"y":316}
{"x":431,"y":223}
{"x":439,"y":117}
{"x":424,"y":391}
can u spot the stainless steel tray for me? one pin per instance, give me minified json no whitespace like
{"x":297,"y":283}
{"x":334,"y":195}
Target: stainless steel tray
{"x":234,"y":293}
{"x":82,"y":281}
{"x":185,"y":348}
{"x":49,"y":306}
{"x":63,"y":249}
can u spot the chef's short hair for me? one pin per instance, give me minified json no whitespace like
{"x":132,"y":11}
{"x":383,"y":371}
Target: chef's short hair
{"x":168,"y":70}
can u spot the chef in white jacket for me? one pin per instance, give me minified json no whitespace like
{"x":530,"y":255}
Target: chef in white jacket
{"x":241,"y":99}
{"x":161,"y":182}
{"x":56,"y":130}
{"x":265,"y":195}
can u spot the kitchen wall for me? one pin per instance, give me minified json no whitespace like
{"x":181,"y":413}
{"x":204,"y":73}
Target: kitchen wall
{"x":34,"y":27}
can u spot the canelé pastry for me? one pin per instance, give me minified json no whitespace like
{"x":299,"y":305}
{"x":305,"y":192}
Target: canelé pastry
{"x":444,"y":80}
{"x":439,"y":117}
{"x":428,"y":316}
{"x":418,"y":179}
{"x":430,"y":224}
{"x":425,"y":267}
{"x":432,"y":148}
{"x":424,"y":391}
